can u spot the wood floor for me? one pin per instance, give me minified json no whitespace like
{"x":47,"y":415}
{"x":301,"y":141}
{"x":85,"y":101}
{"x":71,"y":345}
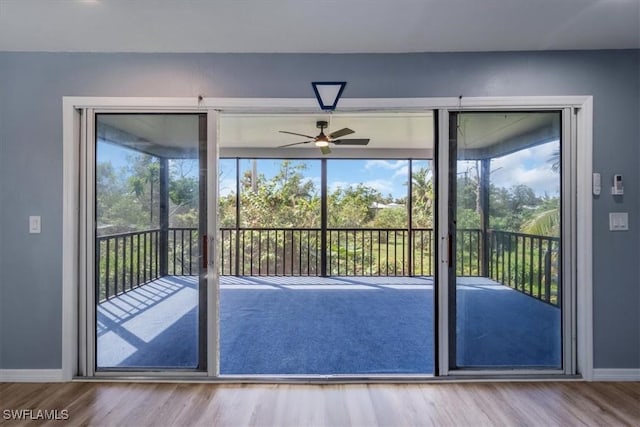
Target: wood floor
{"x":465,"y":404}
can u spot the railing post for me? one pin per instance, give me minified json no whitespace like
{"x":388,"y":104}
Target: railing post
{"x":163,"y":246}
{"x":236,"y":265}
{"x":410,"y":218}
{"x":323,"y":219}
{"x":98,"y":268}
{"x":483,"y":194}
{"x":547,"y":272}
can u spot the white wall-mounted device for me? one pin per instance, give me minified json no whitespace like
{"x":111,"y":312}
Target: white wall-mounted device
{"x":596,"y":184}
{"x":617,"y":188}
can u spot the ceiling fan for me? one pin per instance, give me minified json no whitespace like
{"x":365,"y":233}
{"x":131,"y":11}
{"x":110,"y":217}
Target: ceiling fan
{"x":322,"y":141}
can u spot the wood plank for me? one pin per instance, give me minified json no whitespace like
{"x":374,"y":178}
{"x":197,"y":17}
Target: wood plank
{"x":184,"y":404}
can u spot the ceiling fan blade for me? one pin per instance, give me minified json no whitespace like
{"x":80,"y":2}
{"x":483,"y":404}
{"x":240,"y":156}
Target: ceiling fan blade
{"x":299,"y":134}
{"x":341,"y":132}
{"x":363,"y":141}
{"x":325,"y":150}
{"x":295,"y":143}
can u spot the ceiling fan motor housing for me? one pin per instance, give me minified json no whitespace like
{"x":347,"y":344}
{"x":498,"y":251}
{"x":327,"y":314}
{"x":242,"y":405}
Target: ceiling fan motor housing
{"x":322,"y":141}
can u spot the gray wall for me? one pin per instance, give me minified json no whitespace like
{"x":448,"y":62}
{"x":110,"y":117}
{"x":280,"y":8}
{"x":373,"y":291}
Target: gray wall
{"x":32,"y":86}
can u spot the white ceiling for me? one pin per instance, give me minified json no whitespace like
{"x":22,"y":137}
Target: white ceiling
{"x":317,"y":26}
{"x":177,"y":134}
{"x":386,"y":130}
{"x":391,"y":134}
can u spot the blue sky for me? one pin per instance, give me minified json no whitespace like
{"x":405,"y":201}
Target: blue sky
{"x":530,"y":167}
{"x":386,"y":176}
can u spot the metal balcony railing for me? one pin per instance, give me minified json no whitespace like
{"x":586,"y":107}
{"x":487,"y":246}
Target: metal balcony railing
{"x":527,"y":263}
{"x":350,"y":252}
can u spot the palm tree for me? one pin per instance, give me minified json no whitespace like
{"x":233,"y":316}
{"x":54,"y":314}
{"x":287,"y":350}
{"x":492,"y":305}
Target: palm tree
{"x":555,"y":160}
{"x":422,"y":186}
{"x":544,"y":223}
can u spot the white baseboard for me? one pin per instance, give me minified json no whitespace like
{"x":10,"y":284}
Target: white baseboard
{"x":616,"y":375}
{"x":31,"y":375}
{"x":56,"y":375}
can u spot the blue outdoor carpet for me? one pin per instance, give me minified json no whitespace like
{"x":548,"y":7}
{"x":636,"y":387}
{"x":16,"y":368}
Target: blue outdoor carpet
{"x":335,"y":326}
{"x":307,"y":325}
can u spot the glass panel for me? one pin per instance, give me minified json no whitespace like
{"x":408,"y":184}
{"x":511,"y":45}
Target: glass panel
{"x":279,"y":193}
{"x":227,"y":215}
{"x":264,"y":315}
{"x":330,"y":278}
{"x":367,"y":217}
{"x":385,"y":318}
{"x":422,"y":209}
{"x":507,"y":240}
{"x":148,"y":225}
{"x":227,"y":193}
{"x":279,"y":220}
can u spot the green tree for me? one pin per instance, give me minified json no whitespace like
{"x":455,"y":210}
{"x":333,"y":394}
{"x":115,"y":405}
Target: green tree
{"x":144,"y":184}
{"x":509,"y":208}
{"x":423,"y":197}
{"x":286,"y":200}
{"x":112,"y":197}
{"x":545,"y":220}
{"x":395,"y":217}
{"x":351,"y":207}
{"x":183,"y":193}
{"x":128,"y":199}
{"x":467,"y":209}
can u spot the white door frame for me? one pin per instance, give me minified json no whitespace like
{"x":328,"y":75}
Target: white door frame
{"x":572,"y":194}
{"x":583,"y":105}
{"x":84,"y":118}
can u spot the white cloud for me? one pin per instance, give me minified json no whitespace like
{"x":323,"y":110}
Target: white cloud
{"x":402,"y":172}
{"x":227,"y":186}
{"x":540,"y":154}
{"x":531,"y":167}
{"x":335,"y":185}
{"x":385,"y":164}
{"x":541,"y":180}
{"x":383,"y":186}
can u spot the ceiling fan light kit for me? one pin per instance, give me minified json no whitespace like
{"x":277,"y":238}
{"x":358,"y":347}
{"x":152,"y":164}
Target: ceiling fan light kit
{"x":323,"y":141}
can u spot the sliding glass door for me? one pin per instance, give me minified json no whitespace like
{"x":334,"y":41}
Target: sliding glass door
{"x":444,"y":246}
{"x":505,"y":182}
{"x":150,"y":226}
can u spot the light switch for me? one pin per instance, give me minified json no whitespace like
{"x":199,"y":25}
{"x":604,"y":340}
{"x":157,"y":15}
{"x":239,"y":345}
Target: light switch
{"x":618,"y":221}
{"x":34,"y":224}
